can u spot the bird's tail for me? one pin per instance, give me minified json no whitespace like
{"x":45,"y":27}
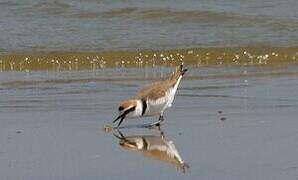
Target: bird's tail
{"x":179,"y":72}
{"x":182,"y":70}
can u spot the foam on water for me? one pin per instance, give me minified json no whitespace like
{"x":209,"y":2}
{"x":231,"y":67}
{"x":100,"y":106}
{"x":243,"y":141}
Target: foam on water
{"x":57,"y":61}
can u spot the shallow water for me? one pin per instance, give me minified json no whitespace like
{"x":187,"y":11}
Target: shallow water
{"x":94,"y":25}
{"x":51,"y":124}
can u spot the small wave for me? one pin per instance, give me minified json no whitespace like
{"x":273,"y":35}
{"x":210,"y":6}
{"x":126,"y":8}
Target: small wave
{"x":7,"y":4}
{"x":118,"y":12}
{"x":153,"y":14}
{"x":179,"y":15}
{"x":51,"y":7}
{"x":201,"y":16}
{"x":86,"y":14}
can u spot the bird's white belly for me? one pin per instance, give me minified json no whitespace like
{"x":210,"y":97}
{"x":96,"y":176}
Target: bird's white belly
{"x":155,"y":107}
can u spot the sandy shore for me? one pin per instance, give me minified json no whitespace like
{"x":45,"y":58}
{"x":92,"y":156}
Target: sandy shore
{"x":200,"y":57}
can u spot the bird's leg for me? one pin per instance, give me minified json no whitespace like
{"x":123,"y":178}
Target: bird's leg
{"x":161,"y":118}
{"x":158,"y":123}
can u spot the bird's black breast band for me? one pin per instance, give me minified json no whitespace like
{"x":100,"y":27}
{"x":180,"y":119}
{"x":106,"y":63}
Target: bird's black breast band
{"x":144,"y":104}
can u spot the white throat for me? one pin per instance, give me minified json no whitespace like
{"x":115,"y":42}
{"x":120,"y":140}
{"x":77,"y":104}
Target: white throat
{"x":139,"y":108}
{"x":137,"y":112}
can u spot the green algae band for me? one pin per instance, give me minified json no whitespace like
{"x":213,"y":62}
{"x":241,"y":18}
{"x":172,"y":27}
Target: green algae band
{"x":60,"y":61}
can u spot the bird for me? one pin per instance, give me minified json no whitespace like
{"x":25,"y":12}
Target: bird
{"x":152,"y":100}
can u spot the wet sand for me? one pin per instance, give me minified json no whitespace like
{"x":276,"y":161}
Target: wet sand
{"x":224,"y":56}
{"x":226,"y":123}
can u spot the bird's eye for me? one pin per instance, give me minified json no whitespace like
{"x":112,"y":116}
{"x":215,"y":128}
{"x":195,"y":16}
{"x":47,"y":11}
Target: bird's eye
{"x":120,"y":108}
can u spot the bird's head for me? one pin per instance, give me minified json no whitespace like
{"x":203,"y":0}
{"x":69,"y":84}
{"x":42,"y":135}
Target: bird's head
{"x":128,"y":108}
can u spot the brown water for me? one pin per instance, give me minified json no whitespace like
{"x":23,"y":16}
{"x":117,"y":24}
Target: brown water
{"x":227,"y":123}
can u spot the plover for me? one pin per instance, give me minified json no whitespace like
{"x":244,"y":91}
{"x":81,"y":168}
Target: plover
{"x":152,"y":100}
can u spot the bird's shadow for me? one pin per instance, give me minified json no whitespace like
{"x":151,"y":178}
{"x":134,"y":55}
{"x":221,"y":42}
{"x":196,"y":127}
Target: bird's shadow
{"x":156,"y":125}
{"x":152,"y":145}
{"x":144,"y":126}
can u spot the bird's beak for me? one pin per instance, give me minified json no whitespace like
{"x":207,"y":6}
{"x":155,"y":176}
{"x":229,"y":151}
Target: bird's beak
{"x":123,"y":115}
{"x":120,"y":116}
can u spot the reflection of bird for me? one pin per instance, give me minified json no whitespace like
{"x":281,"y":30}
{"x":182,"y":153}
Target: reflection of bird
{"x":152,"y":100}
{"x":156,"y":147}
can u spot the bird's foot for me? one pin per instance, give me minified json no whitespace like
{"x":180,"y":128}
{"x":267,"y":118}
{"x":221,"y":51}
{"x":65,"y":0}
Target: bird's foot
{"x":154,"y":125}
{"x":161,"y":118}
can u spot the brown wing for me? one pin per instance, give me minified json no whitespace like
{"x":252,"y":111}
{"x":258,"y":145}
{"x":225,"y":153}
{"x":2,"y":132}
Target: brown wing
{"x":158,"y":89}
{"x":155,"y":90}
